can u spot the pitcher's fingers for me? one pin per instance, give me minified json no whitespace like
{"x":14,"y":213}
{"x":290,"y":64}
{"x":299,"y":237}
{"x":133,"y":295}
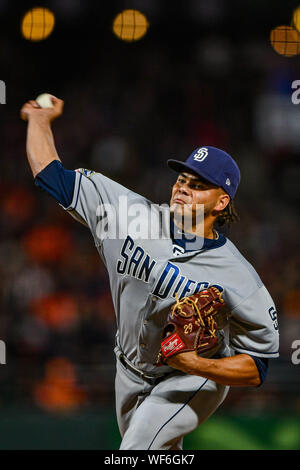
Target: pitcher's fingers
{"x":34,"y":103}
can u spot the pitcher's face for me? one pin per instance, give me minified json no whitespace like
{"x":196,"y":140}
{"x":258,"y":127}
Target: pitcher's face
{"x":191,"y":193}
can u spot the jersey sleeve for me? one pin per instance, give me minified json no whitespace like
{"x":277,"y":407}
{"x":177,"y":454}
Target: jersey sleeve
{"x":57,"y":181}
{"x":254,"y":326}
{"x":96,"y":202}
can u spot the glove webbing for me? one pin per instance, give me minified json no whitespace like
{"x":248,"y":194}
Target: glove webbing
{"x":193,"y":303}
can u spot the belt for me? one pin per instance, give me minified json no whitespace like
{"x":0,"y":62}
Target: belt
{"x":151,"y":379}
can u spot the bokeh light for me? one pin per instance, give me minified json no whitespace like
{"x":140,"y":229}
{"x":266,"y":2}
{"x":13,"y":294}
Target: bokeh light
{"x":58,"y":391}
{"x":296,"y":19}
{"x":48,"y":243}
{"x":37,"y":24}
{"x":130,"y":25}
{"x":285,"y":40}
{"x":58,"y":311}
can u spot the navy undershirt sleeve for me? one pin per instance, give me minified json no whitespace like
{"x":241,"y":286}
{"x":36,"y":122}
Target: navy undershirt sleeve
{"x":57,"y":181}
{"x":262,"y":364}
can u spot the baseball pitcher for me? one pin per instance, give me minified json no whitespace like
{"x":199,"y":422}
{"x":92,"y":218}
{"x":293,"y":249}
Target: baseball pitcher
{"x":193,"y":316}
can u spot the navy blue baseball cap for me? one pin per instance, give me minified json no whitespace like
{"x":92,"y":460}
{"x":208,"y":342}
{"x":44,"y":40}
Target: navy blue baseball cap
{"x":214,"y":165}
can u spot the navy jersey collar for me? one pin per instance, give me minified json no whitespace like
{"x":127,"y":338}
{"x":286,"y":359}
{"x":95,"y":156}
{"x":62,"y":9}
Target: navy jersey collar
{"x":195,"y":243}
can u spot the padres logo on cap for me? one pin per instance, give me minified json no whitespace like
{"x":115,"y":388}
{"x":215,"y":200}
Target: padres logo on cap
{"x":201,"y":154}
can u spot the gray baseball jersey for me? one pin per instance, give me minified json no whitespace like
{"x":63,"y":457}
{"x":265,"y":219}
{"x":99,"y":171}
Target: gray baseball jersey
{"x":145,"y":274}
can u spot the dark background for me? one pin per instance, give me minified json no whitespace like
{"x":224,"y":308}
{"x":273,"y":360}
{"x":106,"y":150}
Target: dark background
{"x":204,"y":74}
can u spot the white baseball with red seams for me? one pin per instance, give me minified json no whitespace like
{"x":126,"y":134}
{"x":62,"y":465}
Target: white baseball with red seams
{"x":44,"y":100}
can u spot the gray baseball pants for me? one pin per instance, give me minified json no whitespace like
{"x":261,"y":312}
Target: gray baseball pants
{"x":158,"y":417}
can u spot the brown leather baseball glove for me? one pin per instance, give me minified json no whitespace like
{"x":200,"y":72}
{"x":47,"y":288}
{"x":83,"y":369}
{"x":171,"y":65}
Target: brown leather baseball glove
{"x":191,"y":325}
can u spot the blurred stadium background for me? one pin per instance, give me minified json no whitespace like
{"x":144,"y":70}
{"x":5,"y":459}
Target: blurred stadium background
{"x":204,"y":73}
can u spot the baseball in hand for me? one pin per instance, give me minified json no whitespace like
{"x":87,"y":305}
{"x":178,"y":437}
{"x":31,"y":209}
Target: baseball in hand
{"x":44,"y":100}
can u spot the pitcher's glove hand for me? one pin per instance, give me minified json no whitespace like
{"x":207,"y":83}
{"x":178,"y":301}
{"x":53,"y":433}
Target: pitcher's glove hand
{"x":191,"y":325}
